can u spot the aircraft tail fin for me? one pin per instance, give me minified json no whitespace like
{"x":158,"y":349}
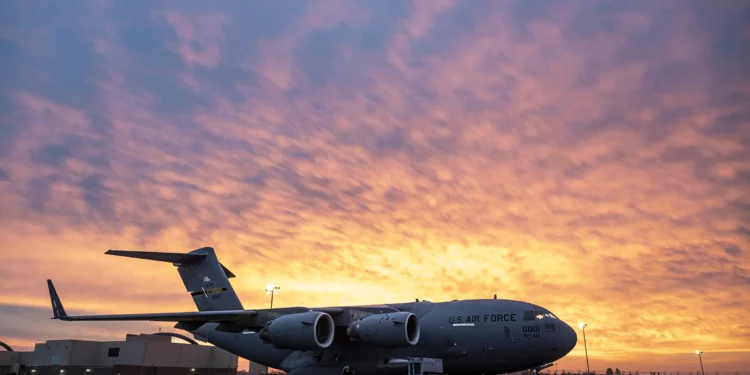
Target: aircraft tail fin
{"x":204,"y":277}
{"x":58,"y":311}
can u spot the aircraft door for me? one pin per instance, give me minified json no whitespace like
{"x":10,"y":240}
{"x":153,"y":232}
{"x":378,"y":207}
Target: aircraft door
{"x":509,"y":336}
{"x":514,"y":345}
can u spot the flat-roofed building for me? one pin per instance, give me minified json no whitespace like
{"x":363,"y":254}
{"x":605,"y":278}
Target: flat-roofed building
{"x":137,"y":355}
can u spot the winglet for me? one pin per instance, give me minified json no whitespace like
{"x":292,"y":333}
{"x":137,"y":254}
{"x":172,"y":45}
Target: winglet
{"x":58,"y":311}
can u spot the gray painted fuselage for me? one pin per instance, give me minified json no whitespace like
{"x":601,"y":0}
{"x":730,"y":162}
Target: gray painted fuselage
{"x":470,"y":336}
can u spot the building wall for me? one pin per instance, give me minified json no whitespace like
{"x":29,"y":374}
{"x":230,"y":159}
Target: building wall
{"x":135,"y":356}
{"x":195,"y":356}
{"x":148,"y":370}
{"x":9,"y":358}
{"x":27,"y":357}
{"x":122,"y":353}
{"x":162,"y":354}
{"x":221,"y":358}
{"x":52,"y":352}
{"x":84,"y":353}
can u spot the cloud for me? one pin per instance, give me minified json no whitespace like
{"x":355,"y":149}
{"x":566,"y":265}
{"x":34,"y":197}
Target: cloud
{"x":365,"y":153}
{"x":52,"y":155}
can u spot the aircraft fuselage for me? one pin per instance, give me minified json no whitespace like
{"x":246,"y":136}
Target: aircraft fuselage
{"x":488,"y":336}
{"x":470,"y":336}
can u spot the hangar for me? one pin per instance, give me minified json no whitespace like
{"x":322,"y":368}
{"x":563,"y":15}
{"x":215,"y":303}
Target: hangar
{"x":143,"y":354}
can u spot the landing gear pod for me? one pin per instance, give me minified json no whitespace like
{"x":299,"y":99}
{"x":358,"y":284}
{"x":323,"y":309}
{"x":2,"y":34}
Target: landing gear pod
{"x":304,"y":331}
{"x":392,"y":330}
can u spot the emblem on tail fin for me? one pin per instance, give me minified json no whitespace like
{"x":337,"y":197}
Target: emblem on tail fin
{"x":206,"y":279}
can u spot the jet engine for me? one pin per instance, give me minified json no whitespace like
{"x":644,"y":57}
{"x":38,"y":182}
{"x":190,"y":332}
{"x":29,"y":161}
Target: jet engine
{"x":304,"y":331}
{"x":392,"y":330}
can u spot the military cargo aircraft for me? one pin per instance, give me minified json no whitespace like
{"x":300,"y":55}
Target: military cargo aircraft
{"x":489,"y":336}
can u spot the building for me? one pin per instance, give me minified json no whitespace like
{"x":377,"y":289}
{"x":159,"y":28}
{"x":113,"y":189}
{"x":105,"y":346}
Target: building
{"x":137,"y":355}
{"x":258,"y":369}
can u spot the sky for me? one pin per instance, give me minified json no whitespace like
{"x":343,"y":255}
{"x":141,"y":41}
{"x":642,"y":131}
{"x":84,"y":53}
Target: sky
{"x":589,"y":157}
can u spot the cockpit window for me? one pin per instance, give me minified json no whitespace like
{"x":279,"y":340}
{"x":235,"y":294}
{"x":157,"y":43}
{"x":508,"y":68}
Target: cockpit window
{"x":537,"y":315}
{"x":533,"y":315}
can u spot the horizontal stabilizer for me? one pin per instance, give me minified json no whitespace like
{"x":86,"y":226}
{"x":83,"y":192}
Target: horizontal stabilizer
{"x":180,"y":258}
{"x":175,"y":258}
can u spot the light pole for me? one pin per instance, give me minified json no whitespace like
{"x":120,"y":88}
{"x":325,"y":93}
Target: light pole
{"x":700,"y":358}
{"x":272,"y":290}
{"x":582,"y":326}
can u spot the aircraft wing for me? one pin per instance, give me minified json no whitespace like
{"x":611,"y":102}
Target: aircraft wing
{"x":239,"y":319}
{"x":199,"y":316}
{"x":202,"y":316}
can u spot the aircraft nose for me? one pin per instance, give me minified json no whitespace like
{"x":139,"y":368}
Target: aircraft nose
{"x":568,"y":338}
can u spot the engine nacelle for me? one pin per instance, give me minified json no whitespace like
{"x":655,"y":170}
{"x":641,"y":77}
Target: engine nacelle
{"x":304,"y":331}
{"x":392,"y":330}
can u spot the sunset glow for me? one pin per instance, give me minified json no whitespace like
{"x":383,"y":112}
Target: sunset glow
{"x":590,"y":157}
